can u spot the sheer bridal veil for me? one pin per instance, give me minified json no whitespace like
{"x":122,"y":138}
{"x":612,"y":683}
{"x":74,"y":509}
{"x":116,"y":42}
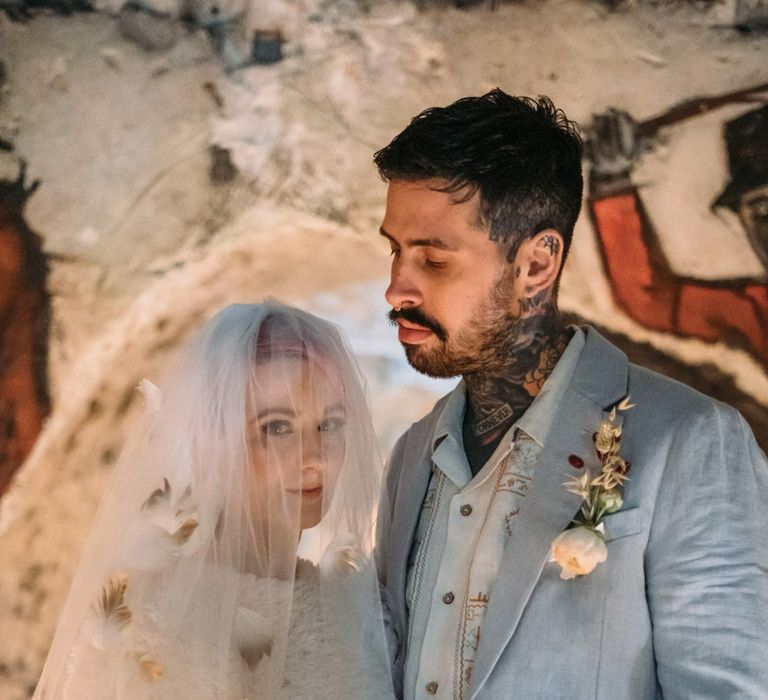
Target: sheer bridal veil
{"x":190,"y":585}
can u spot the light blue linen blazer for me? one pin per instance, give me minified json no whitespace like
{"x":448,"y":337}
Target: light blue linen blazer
{"x":680,"y":607}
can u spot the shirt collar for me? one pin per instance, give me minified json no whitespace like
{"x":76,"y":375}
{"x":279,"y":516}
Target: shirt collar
{"x":538,"y":419}
{"x":451,"y":417}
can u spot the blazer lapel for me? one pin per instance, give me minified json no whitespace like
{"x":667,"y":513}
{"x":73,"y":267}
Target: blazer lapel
{"x":599,"y":381}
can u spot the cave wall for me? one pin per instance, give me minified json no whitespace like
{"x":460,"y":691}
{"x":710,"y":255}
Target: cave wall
{"x":182,"y":169}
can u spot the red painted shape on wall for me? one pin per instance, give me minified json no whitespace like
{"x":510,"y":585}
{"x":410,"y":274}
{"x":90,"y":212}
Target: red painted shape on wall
{"x":24,"y":315}
{"x":646,"y":288}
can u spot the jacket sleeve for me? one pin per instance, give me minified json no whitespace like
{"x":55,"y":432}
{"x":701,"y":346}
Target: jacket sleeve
{"x":387,"y":505}
{"x":393,"y":625}
{"x":707,"y":562}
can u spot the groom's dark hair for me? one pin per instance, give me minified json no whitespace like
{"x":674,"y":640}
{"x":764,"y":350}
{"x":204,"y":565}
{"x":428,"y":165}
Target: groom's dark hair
{"x":521,"y":154}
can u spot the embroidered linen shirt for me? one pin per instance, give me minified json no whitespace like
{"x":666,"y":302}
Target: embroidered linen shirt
{"x":463,"y":528}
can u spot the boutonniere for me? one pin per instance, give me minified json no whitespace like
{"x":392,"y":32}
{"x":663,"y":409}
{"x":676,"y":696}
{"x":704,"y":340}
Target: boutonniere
{"x":581,"y":548}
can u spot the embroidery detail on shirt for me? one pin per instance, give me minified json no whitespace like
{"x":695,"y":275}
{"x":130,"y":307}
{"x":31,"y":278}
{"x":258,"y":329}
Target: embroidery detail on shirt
{"x":514,"y":482}
{"x":508,"y":521}
{"x":472,"y":642}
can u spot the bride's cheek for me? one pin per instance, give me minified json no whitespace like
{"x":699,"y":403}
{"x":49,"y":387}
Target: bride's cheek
{"x":336,"y":454}
{"x":286,"y":462}
{"x":259,"y":459}
{"x":267,"y":475}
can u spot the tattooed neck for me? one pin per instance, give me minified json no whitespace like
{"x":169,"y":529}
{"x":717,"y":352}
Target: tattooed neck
{"x":501,"y":393}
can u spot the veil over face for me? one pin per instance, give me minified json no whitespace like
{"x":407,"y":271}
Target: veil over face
{"x":188,"y":585}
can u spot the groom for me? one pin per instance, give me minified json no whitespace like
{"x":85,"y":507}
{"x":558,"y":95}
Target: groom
{"x":659,"y":592}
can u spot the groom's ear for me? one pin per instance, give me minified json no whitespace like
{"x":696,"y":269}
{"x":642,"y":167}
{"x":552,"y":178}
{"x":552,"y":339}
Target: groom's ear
{"x":538,"y":262}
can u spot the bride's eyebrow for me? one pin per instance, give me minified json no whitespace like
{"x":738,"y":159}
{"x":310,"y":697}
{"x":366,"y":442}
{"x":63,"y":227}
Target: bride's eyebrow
{"x":279,"y":410}
{"x":336,"y":408}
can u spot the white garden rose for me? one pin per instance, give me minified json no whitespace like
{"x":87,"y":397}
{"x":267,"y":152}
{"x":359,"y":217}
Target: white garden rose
{"x":578,"y":551}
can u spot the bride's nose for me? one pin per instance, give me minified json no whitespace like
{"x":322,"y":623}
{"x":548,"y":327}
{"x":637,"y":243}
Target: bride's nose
{"x":313,"y":456}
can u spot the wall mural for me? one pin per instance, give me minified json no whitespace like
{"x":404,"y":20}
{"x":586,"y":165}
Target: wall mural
{"x":643,"y":283}
{"x":24,"y":320}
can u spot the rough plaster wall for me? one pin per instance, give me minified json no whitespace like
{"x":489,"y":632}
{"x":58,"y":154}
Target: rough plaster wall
{"x":148,"y":247}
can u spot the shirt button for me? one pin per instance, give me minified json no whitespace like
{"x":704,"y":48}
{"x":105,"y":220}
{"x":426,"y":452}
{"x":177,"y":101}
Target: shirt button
{"x":466,"y":509}
{"x":432,"y":688}
{"x":448,"y":598}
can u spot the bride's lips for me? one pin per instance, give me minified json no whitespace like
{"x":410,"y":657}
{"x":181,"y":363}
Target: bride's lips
{"x":309,"y":491}
{"x":312,"y":493}
{"x":411,"y":334}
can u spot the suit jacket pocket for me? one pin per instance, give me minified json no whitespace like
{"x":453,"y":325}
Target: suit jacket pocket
{"x":624,"y":523}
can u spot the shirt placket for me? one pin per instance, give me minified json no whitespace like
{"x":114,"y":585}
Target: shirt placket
{"x":439,"y":675}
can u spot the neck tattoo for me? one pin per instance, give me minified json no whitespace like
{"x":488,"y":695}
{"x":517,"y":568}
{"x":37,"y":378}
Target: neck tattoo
{"x":502,"y":392}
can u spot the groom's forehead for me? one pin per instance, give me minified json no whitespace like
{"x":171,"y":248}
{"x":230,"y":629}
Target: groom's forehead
{"x":417,"y":229}
{"x":431,"y":200}
{"x":441,"y":241}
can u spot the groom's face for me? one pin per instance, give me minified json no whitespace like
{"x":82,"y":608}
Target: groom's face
{"x":452,"y":285}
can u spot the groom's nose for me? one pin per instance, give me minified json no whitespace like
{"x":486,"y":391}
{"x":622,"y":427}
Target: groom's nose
{"x":402,"y":289}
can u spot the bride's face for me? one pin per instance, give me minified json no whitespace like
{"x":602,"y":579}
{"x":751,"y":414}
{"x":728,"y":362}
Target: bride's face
{"x":297,"y":434}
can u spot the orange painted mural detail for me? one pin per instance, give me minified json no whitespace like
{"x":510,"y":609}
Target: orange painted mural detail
{"x":643,"y":283}
{"x":647,"y":289}
{"x":24,"y":318}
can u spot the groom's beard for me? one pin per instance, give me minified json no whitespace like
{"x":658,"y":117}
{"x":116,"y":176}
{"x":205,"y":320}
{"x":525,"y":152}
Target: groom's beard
{"x":480,"y":348}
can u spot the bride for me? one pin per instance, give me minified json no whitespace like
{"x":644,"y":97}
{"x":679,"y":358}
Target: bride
{"x":191,"y":585}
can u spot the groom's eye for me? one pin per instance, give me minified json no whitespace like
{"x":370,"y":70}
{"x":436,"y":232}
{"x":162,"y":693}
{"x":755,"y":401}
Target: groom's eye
{"x":277,"y":427}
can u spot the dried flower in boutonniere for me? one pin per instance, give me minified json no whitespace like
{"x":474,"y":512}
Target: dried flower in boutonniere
{"x":580,"y":549}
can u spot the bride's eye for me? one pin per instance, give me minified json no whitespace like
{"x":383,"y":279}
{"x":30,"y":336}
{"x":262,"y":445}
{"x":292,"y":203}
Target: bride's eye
{"x":333,"y":424}
{"x":277,"y":427}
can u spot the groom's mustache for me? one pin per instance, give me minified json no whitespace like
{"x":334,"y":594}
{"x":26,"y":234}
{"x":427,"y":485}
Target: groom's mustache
{"x":413,"y":314}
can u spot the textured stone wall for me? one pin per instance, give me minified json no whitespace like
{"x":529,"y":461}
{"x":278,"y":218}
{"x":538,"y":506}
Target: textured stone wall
{"x":174,"y":182}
